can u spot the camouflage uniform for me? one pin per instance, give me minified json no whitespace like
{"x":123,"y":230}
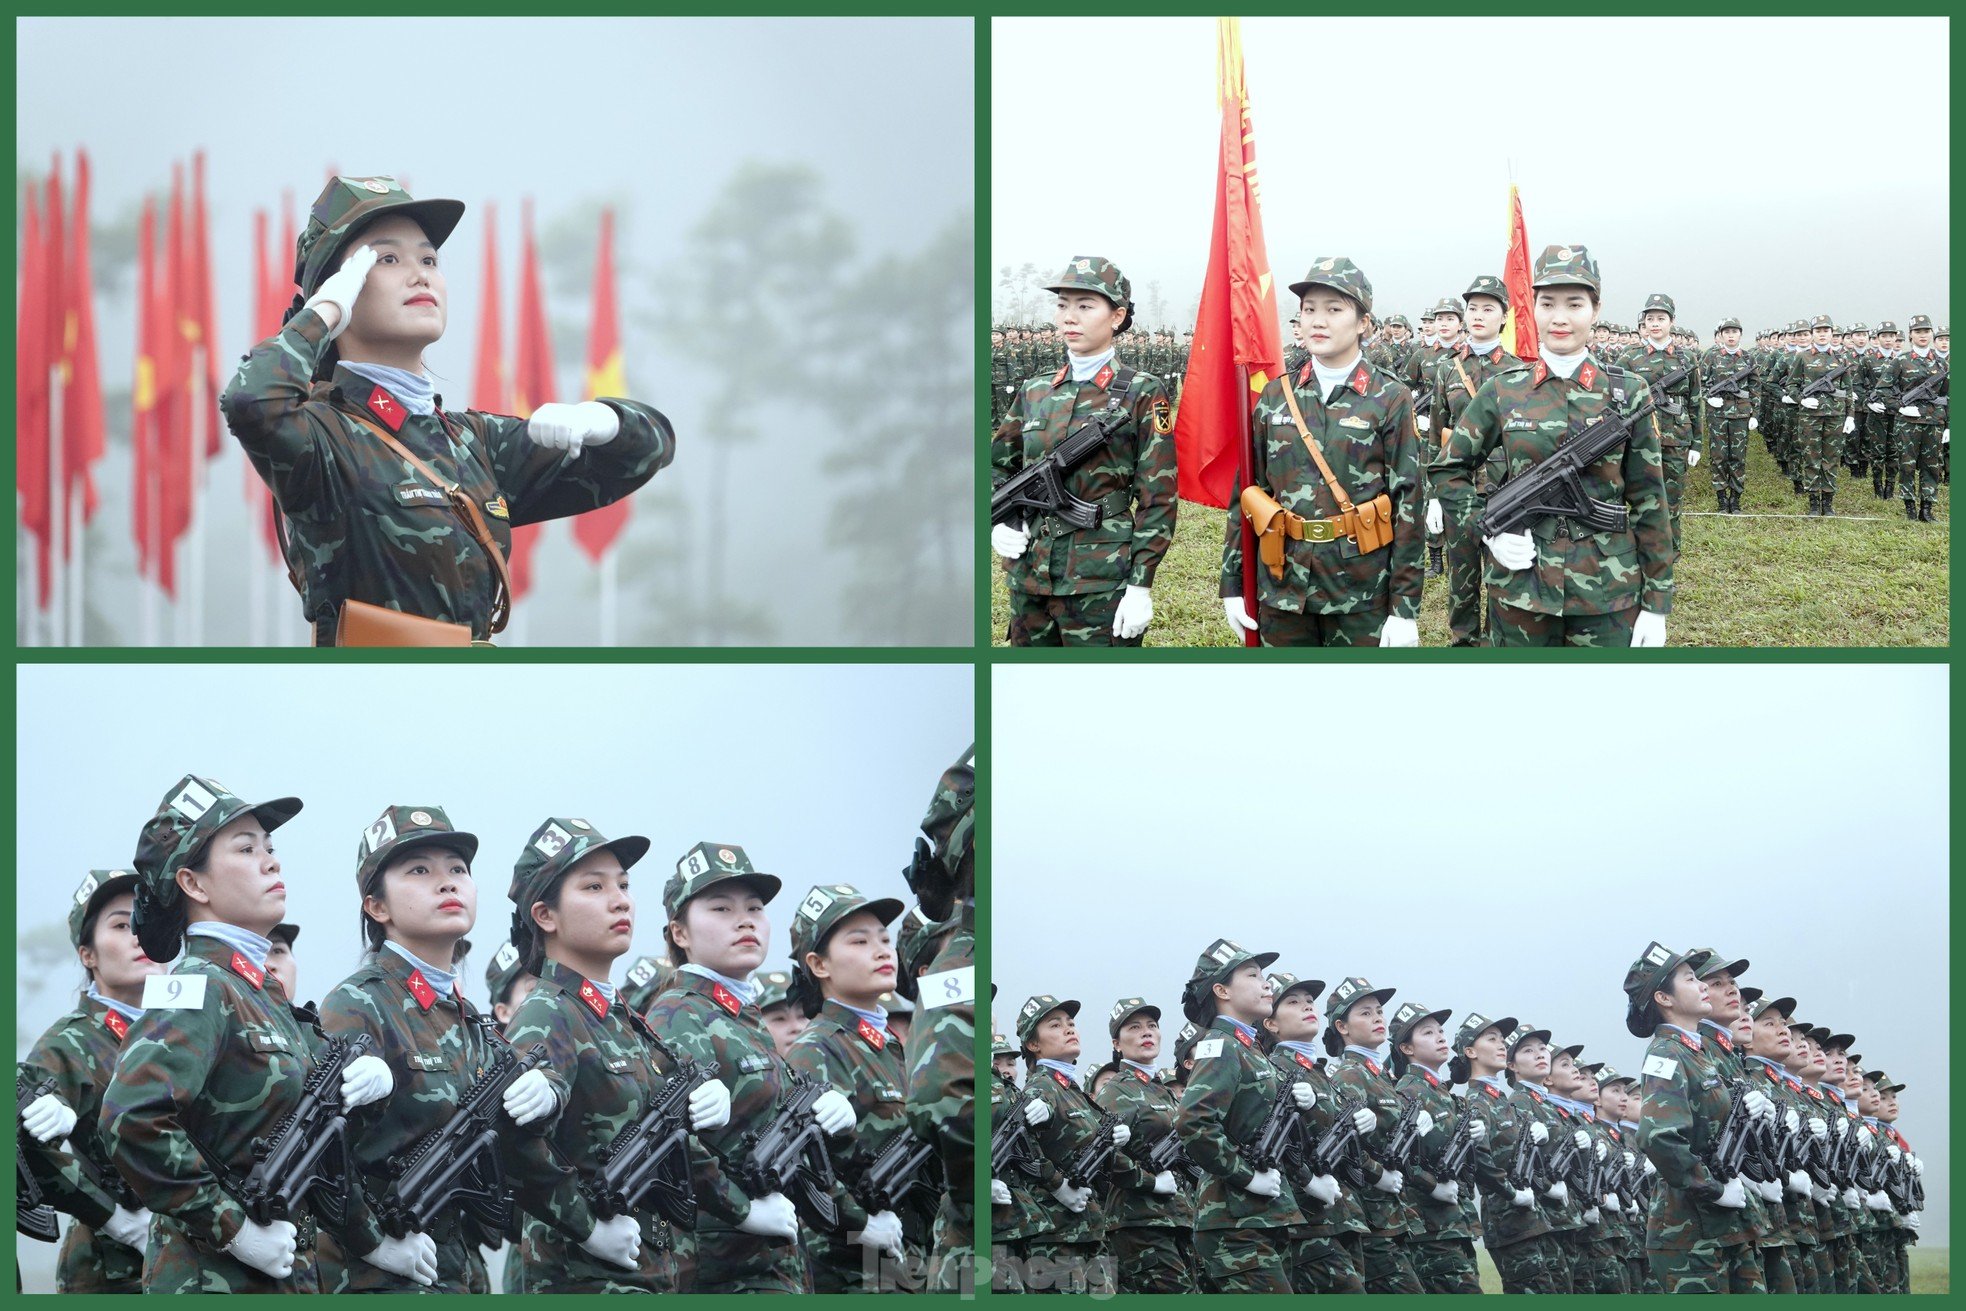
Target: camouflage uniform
{"x":1819,"y":432}
{"x":1388,"y":1217}
{"x":1003,"y":381}
{"x":1330,"y":594}
{"x":1458,"y":377}
{"x":1327,"y":1252}
{"x":1149,"y":1235}
{"x":1679,"y":416}
{"x":1068,"y":1254}
{"x":1440,"y":1237}
{"x":360,"y":524}
{"x":1585,"y":588}
{"x":1727,"y":424}
{"x":1921,"y":452}
{"x":1767,"y":1227}
{"x":1012,"y":1225}
{"x":1067,"y":584}
{"x":1518,"y":1239}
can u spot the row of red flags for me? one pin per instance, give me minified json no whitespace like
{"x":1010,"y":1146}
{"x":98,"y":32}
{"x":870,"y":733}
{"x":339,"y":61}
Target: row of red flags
{"x":175,"y":426}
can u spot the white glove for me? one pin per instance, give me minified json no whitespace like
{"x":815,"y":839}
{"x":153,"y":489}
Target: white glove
{"x":1630,"y":1160}
{"x":1304,"y":1095}
{"x":1821,"y":1196}
{"x":1787,"y":399}
{"x":1733,"y":1196}
{"x":617,"y":1241}
{"x":366,"y":1079}
{"x":130,"y":1228}
{"x":1893,"y":1152}
{"x":883,"y":1233}
{"x":268,"y":1249}
{"x":1134,"y":613}
{"x":709,"y":1107}
{"x":1365,"y":1120}
{"x":1036,"y":1112}
{"x":1478,"y":1132}
{"x":1849,"y":425}
{"x":1789,"y":1120}
{"x":1798,"y":1182}
{"x":1238,"y":617}
{"x":1538,"y":1133}
{"x":1909,"y":411}
{"x":413,"y":1256}
{"x":1424,"y":422}
{"x":1877,"y":1202}
{"x":1008,"y":540}
{"x":1603,"y":1151}
{"x":1649,"y":629}
{"x":1164,"y":1183}
{"x":1121,"y":1135}
{"x":572,"y":428}
{"x":1424,"y":1123}
{"x":1758,"y":1104}
{"x":1693,"y":458}
{"x":1558,"y":1192}
{"x":1913,"y":1221}
{"x":1268,"y":1183}
{"x":771,"y":1216}
{"x":1523,"y":1198}
{"x":1754,"y":423}
{"x":342,"y":287}
{"x":530,"y":1097}
{"x":1323,"y":1188}
{"x":1612,"y":1204}
{"x":1591,"y":1216}
{"x":1449,"y":1192}
{"x":999,"y":1193}
{"x":1812,"y":402}
{"x":1512,"y":550}
{"x":1840,"y":1125}
{"x":1875,"y":407}
{"x":833,"y":1112}
{"x":48,"y":1119}
{"x":1436,"y":521}
{"x":1852,"y":1198}
{"x":1918,"y":1166}
{"x":1818,"y":1127}
{"x":1389,"y":1181}
{"x":1715,"y":402}
{"x":1771,"y":1191}
{"x":1399,"y":632}
{"x":1581,"y":1139}
{"x":1074,"y":1199}
{"x":1649,"y":1167}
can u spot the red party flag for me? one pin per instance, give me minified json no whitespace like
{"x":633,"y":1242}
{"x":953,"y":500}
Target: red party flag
{"x":83,"y":437}
{"x":1519,"y":331}
{"x":596,"y":530}
{"x":31,"y":397}
{"x":532,"y":383}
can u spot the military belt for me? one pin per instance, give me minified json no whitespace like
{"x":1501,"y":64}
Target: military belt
{"x":1313,"y":530}
{"x":1111,"y":505}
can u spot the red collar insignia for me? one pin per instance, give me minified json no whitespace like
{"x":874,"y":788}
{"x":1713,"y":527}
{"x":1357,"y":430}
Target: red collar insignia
{"x":1565,"y":1114}
{"x":116,"y":1024}
{"x":1305,"y":1061}
{"x":1535,"y":1097}
{"x":386,"y":408}
{"x":1063,"y":1082}
{"x":1360,"y":378}
{"x":1304,"y":375}
{"x":1726,"y":1043}
{"x":1774,"y":1076}
{"x":1370,"y":1064}
{"x":1817,"y":1093}
{"x":1141,"y":1075}
{"x":248,"y":971}
{"x":1431,"y":1081}
{"x":1538,"y":374}
{"x":1059,"y":376}
{"x":725,"y":998}
{"x":1587,"y":375}
{"x":1688,"y":1041}
{"x":1612,"y":1129}
{"x":1492,"y":1090}
{"x":872,"y":1037}
{"x":1103,"y":378}
{"x":1244,"y":1038}
{"x":595,"y":1001}
{"x":426,"y":996}
{"x":1588,"y":1117}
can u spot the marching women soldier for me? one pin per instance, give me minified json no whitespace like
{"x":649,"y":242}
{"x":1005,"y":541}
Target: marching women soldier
{"x":1069,"y":1255}
{"x":1149,"y":1232}
{"x":1440,"y":1240}
{"x":1356,"y":1036}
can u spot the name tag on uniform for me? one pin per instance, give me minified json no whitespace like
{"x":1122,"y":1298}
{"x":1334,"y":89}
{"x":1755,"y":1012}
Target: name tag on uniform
{"x":753,"y":1064}
{"x":949,"y":988}
{"x":1354,"y":421}
{"x":1661,"y":1067}
{"x":429,"y":1062}
{"x":174,"y":992}
{"x":269,"y":1042}
{"x":417,"y":494}
{"x":619,"y":1066}
{"x":1207,"y":1048}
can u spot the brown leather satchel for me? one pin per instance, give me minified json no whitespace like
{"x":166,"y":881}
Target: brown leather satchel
{"x":1370,"y":526}
{"x":362,"y":624}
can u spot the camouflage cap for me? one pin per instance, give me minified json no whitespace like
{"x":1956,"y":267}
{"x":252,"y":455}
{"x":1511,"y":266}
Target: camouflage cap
{"x":1448,"y":305}
{"x":1350,"y":992}
{"x":1842,"y":1041}
{"x":1919,"y":321}
{"x":1573,"y":1051}
{"x":555,"y":847}
{"x":1885,"y":325}
{"x":774,"y":988}
{"x":1340,"y":275}
{"x":348,"y":203}
{"x":1567,"y":266}
{"x":1097,"y":274}
{"x":1001,"y":1046}
{"x":1410,"y":1016}
{"x":1399,"y":321}
{"x":1033,"y":1011}
{"x":401,"y":828}
{"x":1646,"y":975}
{"x":912,"y":943}
{"x":1658,"y":300}
{"x":1749,"y":994}
{"x":1224,"y":957}
{"x":707,"y":864}
{"x":97,"y":887}
{"x":648,"y":976}
{"x":1184,"y":1042}
{"x":1427,"y":317}
{"x":1818,"y":1034}
{"x":950,"y":822}
{"x":1782,"y":1006}
{"x":1885,"y":1083}
{"x":1606,"y":1075}
{"x":1821,"y":321}
{"x":1282,"y":982}
{"x":825,"y":906}
{"x":1713,"y":963}
{"x":1474,"y":1023}
{"x":1487,"y":285}
{"x":505,"y":966}
{"x":1725,"y":324}
{"x":1125,"y":1009}
{"x":1859,"y":326}
{"x":287,"y":933}
{"x":190,"y":815}
{"x":1523,"y":1033}
{"x":1942,"y":331}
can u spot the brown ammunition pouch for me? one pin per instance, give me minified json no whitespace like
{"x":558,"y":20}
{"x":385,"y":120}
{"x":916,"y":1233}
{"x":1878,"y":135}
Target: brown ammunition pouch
{"x":362,"y":624}
{"x":1368,"y":526}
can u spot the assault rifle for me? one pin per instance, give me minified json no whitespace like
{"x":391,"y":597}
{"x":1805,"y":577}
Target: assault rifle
{"x":1167,"y":1154}
{"x":894,"y":1173}
{"x":1827,"y":383}
{"x":646,"y":1167}
{"x":304,"y":1164}
{"x":1457,"y":1157}
{"x":1659,"y":389}
{"x":1278,"y":1137}
{"x":1040,"y":488}
{"x":1011,"y":1144}
{"x":1526,"y":1164}
{"x":1730,"y":1148}
{"x":1339,"y":1151}
{"x":33,"y":1216}
{"x":1403,"y":1144}
{"x":458,"y":1161}
{"x":1555,"y":486}
{"x":1736,"y":386}
{"x":1089,"y":1167}
{"x":1923,"y":392}
{"x":789,"y":1156}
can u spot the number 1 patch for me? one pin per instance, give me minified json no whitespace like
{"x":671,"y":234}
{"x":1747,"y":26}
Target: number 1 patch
{"x":949,"y":988}
{"x":1661,"y":1067}
{"x":174,"y":992}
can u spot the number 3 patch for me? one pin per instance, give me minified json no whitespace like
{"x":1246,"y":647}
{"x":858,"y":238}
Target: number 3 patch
{"x":1163,"y":417}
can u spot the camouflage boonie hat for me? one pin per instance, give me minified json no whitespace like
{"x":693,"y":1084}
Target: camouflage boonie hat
{"x":1282,"y":981}
{"x":1487,"y":286}
{"x":1658,"y":300}
{"x":1567,"y":266}
{"x":1125,"y":1009}
{"x":950,"y":822}
{"x":399,"y":829}
{"x":502,"y":969}
{"x":825,"y":906}
{"x":1036,"y":1008}
{"x":1350,"y":992}
{"x":1409,"y":1017}
{"x":1523,"y":1033}
{"x":1097,"y":274}
{"x":648,"y":976}
{"x":97,"y":886}
{"x":190,"y":815}
{"x":1647,"y":975}
{"x":1472,"y":1025}
{"x":917,"y":934}
{"x":1001,"y":1046}
{"x":1340,"y":275}
{"x":347,"y":203}
{"x":707,"y":864}
{"x":1711,"y":962}
{"x":774,"y":989}
{"x":1224,"y":957}
{"x":1725,"y":324}
{"x":1919,"y":321}
{"x":287,"y":933}
{"x":1448,"y":305}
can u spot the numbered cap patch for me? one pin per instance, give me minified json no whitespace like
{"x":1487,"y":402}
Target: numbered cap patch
{"x":193,"y":800}
{"x":506,"y":956}
{"x":86,"y":890}
{"x":552,"y":841}
{"x":380,"y":832}
{"x":644,"y":970}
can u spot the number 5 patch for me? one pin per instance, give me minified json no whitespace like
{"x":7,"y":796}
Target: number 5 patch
{"x":1661,"y":1067}
{"x":949,"y":988}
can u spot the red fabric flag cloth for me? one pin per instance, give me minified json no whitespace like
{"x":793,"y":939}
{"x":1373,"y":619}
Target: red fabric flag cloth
{"x":143,"y":400}
{"x":596,"y":530}
{"x":31,"y":416}
{"x":488,"y":391}
{"x":172,"y":362}
{"x":268,"y":305}
{"x":202,"y":311}
{"x":1519,"y":332}
{"x":83,"y":437}
{"x":532,"y":383}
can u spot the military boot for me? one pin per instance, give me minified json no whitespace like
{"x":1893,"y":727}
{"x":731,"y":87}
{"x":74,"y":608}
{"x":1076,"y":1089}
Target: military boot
{"x":1911,"y":511}
{"x":1815,"y":504}
{"x":1436,"y":566}
{"x":1877,"y":484}
{"x":1925,"y":514}
{"x":1829,"y":504}
{"x":1797,"y":483}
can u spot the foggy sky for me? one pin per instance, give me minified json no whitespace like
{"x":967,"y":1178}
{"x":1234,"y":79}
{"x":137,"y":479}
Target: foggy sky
{"x":1796,"y":166}
{"x":1450,"y":840}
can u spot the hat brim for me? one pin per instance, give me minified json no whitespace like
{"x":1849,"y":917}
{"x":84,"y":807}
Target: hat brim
{"x":1782,"y":1006}
{"x":1544,"y":1034}
{"x":1400,"y":1035}
{"x":1573,"y":1051}
{"x":1144,"y":1008}
{"x":1064,"y":287}
{"x":1298,"y":289}
{"x":105,"y":890}
{"x":437,"y":218}
{"x":765,"y":885}
{"x":1313,"y":986}
{"x":464,"y":844}
{"x":1734,"y":968}
{"x":271,"y":814}
{"x":284,"y":933}
{"x":1843,"y":1040}
{"x":1383,"y":994}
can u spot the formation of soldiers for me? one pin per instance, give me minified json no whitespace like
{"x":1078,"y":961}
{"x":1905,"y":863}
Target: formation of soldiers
{"x":1369,"y":1148}
{"x":1018,"y":350}
{"x":695,"y":1125}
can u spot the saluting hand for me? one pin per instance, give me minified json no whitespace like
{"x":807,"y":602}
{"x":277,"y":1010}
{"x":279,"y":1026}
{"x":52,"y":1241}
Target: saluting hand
{"x":573,"y":428}
{"x":339,"y":291}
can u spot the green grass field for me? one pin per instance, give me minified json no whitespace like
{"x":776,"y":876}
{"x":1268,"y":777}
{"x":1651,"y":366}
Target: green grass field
{"x":1930,"y":1270}
{"x":1867,"y":577}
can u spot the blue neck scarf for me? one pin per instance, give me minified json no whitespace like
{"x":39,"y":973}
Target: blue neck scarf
{"x":876,"y":1017}
{"x":442,"y":982}
{"x":1302,"y":1048}
{"x":244,"y":941}
{"x":746,"y":992}
{"x":1144,"y":1069}
{"x":131,"y":1013}
{"x":415,"y":390}
{"x":1065,"y":1068}
{"x":1246,"y":1030}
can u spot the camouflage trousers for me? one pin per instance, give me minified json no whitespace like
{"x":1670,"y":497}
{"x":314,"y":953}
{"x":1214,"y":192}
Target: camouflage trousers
{"x":1534,"y":1265}
{"x":1882,"y":446}
{"x":1887,"y":1261}
{"x":1638,"y":1274}
{"x":1819,"y":449}
{"x":95,"y":1263}
{"x":728,"y":1261}
{"x":1388,"y":1267}
{"x":1508,"y":626}
{"x":1152,"y":1259}
{"x":1727,"y":452}
{"x":950,"y":1268}
{"x":1464,"y":590}
{"x":1596,"y":1262}
{"x":1241,"y":1260}
{"x":1052,"y":1267}
{"x":1445,"y":1265}
{"x":1778,"y":1269}
{"x":1674,"y":461}
{"x":1920,"y":455}
{"x":1735,"y":1268}
{"x":1083,"y":620}
{"x":1782,"y":444}
{"x":1327,"y":1263}
{"x":1007,"y":1267}
{"x":1853,"y":1272}
{"x":1802,"y":1264}
{"x":1282,"y":628}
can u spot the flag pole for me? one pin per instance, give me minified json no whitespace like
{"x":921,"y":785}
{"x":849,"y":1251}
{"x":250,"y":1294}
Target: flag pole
{"x":194,"y":583}
{"x":608,"y":578}
{"x":77,"y":597}
{"x":57,"y":513}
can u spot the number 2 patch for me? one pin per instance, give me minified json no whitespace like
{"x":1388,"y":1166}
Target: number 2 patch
{"x":1661,"y":1067}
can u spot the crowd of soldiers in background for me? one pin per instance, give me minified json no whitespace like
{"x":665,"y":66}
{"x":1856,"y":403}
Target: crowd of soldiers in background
{"x":1749,"y":1151}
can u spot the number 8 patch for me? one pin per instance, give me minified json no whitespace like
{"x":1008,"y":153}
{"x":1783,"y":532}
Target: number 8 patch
{"x":949,"y":988}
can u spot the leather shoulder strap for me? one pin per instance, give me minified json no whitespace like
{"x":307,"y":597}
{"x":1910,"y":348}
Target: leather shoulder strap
{"x":1317,"y":455}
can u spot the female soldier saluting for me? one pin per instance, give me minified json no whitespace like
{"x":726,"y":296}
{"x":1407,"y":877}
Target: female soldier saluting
{"x":391,"y":503}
